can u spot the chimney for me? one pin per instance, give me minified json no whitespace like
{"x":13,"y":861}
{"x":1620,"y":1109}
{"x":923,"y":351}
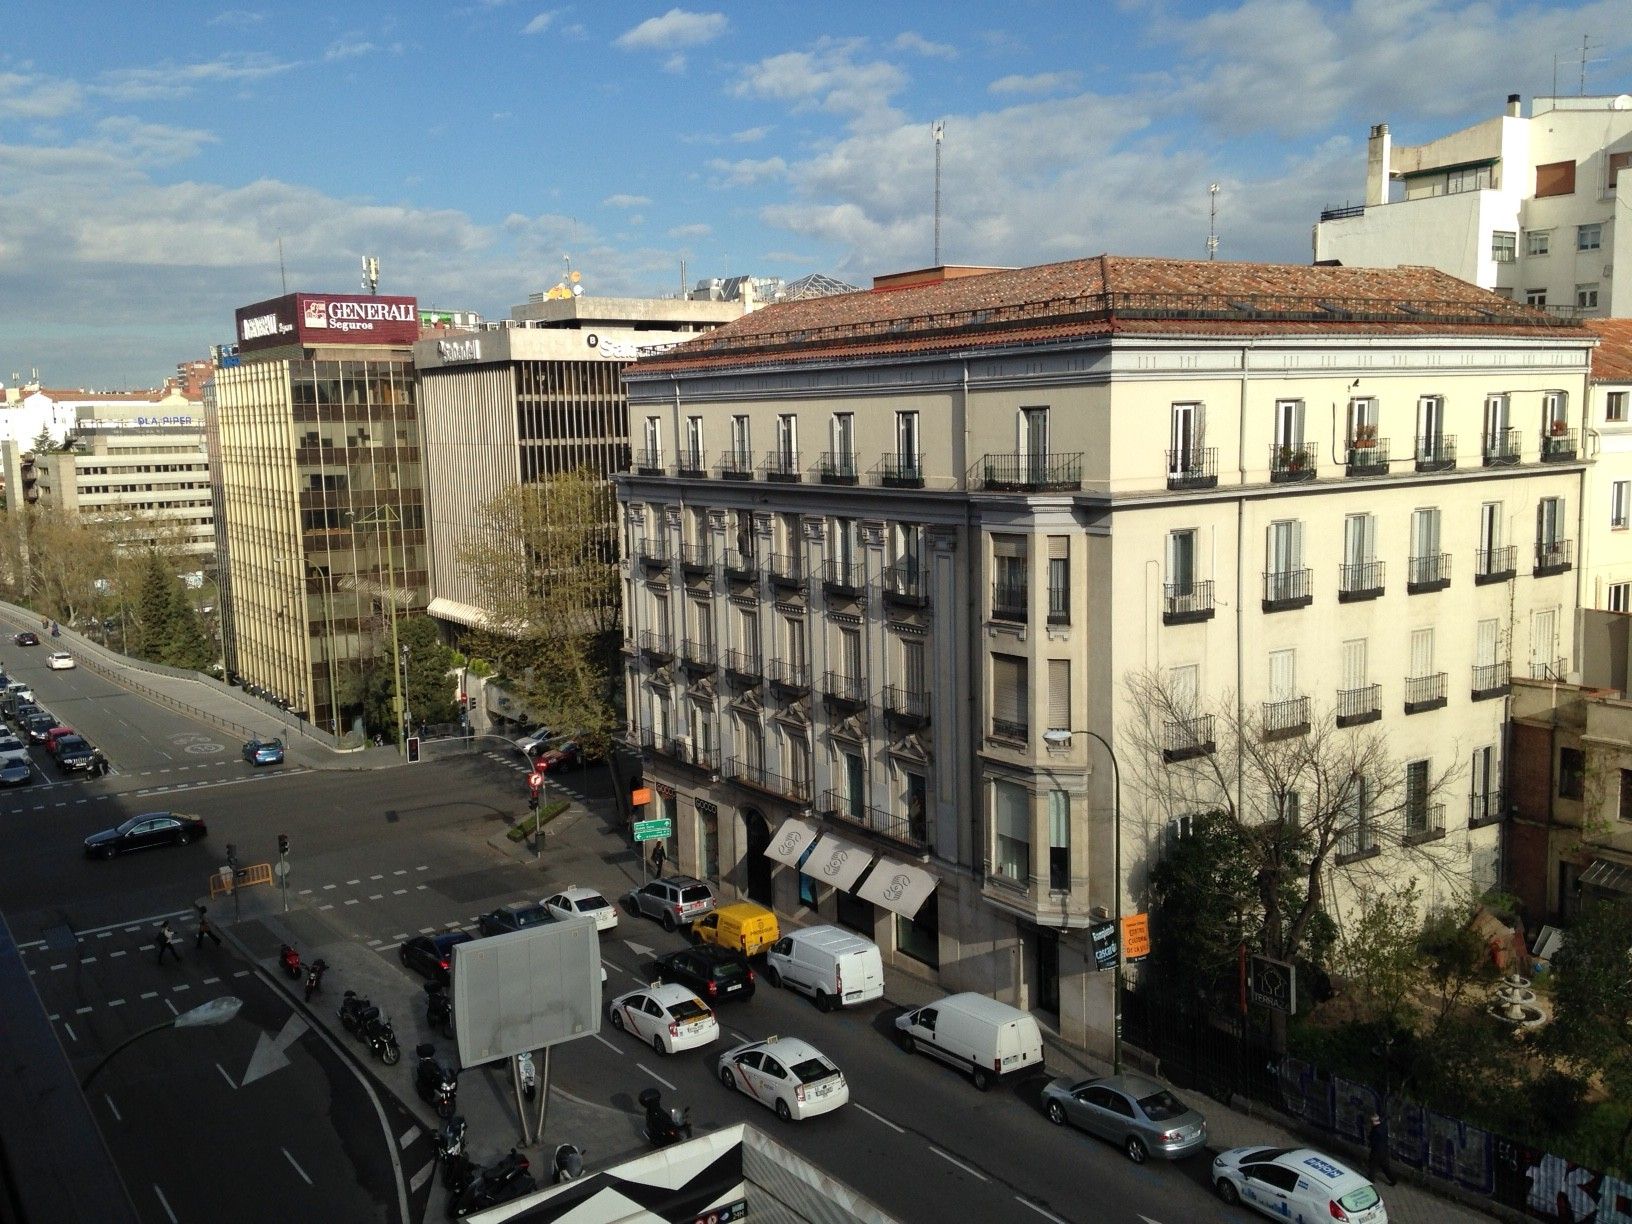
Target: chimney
{"x":1512,"y":106}
{"x":1378,"y":151}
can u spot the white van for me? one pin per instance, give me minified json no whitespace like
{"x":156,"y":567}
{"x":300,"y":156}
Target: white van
{"x":835,"y":967}
{"x":984,"y":1037}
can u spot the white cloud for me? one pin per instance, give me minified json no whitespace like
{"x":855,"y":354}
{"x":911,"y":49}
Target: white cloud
{"x":675,"y":28}
{"x":349,"y":47}
{"x":1036,"y":83}
{"x":750,"y":135}
{"x":540,"y":23}
{"x":686,"y":232}
{"x":675,"y":63}
{"x":151,"y":143}
{"x":831,"y":77}
{"x":620,"y":200}
{"x":170,"y":81}
{"x":241,"y":19}
{"x":746,"y":172}
{"x":911,"y":40}
{"x":30,"y":97}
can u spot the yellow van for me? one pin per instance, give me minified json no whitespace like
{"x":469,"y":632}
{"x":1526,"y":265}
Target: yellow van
{"x":741,"y":926}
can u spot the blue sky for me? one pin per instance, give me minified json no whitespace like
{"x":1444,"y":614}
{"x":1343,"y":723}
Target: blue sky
{"x":152,"y":156}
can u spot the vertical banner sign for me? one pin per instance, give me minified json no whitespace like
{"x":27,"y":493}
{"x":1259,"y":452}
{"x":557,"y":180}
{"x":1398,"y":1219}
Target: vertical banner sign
{"x":1135,"y":937}
{"x":1103,"y":935}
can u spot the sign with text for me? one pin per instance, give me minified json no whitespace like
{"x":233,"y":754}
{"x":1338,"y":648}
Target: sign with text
{"x":1103,"y":936}
{"x":1272,"y":983}
{"x":654,"y":830}
{"x":1135,"y":937}
{"x":327,"y":318}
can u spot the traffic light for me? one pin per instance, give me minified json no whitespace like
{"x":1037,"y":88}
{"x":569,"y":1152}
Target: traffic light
{"x":283,"y":843}
{"x":532,"y":802}
{"x":413,"y":749}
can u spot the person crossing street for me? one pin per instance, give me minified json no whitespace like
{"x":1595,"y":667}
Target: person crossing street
{"x":206,"y":928}
{"x":166,"y":941}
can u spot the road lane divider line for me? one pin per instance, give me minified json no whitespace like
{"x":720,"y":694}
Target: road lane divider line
{"x":349,"y":882}
{"x":174,"y":1011}
{"x":951,"y":1159}
{"x":376,"y":897}
{"x":423,"y":867}
{"x":1047,"y":1215}
{"x":374,"y":943}
{"x":87,"y":960}
{"x":427,"y":930}
{"x":72,"y":1036}
{"x":82,"y":1011}
{"x":376,"y":877}
{"x":211,"y":981}
{"x":296,"y":1164}
{"x":408,"y":1136}
{"x":423,"y":1176}
{"x":116,"y":1002}
{"x":150,"y":994}
{"x":399,"y":892}
{"x":177,"y":989}
{"x":63,"y":965}
{"x":389,"y":946}
{"x":241,"y":973}
{"x":325,"y":907}
{"x":112,"y":1108}
{"x":121,"y":952}
{"x":400,"y":936}
{"x":657,"y":1077}
{"x":400,"y":871}
{"x":225,"y":1076}
{"x":607,"y":1044}
{"x":164,"y":1202}
{"x":900,"y":1130}
{"x":103,"y":934}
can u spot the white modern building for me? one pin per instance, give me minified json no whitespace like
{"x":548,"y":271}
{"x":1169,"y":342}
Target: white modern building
{"x":1606,"y":559}
{"x":893,"y":555}
{"x":1534,"y":207}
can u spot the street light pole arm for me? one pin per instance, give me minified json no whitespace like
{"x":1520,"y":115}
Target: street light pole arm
{"x":134,"y":1037}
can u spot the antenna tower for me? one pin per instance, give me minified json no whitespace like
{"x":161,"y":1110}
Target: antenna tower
{"x":1212,"y":221}
{"x":939,"y":131}
{"x":371,"y":275}
{"x":282,"y":275}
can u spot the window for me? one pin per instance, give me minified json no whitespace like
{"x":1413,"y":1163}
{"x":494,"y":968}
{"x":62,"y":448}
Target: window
{"x":1620,"y":493}
{"x":915,"y":798}
{"x":1572,"y":773}
{"x":1535,"y":297}
{"x":1620,"y":597}
{"x":841,"y":544}
{"x":694,"y":442}
{"x":1586,"y":297}
{"x":1469,"y":178}
{"x":1484,"y":785}
{"x":1283,"y":675}
{"x":1355,"y":836}
{"x":787,"y":440}
{"x":1009,"y":566}
{"x":1486,"y":636}
{"x":850,"y":652}
{"x":1550,"y":521}
{"x":1359,"y":542}
{"x":1284,"y":579}
{"x":1289,"y":424}
{"x":1059,"y":580}
{"x":741,"y":440}
{"x":1555,"y":411}
{"x":1181,"y":562}
{"x":1059,"y":695}
{"x":654,"y":440}
{"x":1589,"y":237}
{"x":1422,"y":652}
{"x":914,"y":679}
{"x":1624,"y":809}
{"x":1059,"y":841}
{"x":1503,"y":246}
{"x":793,"y":630}
{"x":1416,"y":797}
{"x":1362,"y":421}
{"x":919,"y":936}
{"x":1425,"y":557}
{"x":853,"y":770}
{"x":1615,"y":406}
{"x":748,"y":633}
{"x":1011,"y":827}
{"x":842,"y":439}
{"x":1555,"y":179}
{"x":1613,"y":165}
{"x":1185,"y":438}
{"x":1544,"y":661}
{"x":908,"y":454}
{"x":1011,"y":697}
{"x":1538,"y":242}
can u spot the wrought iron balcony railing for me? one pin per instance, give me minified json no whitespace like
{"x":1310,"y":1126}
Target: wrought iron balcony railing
{"x":1436,"y":452}
{"x":1028,"y":473}
{"x":1553,"y":557}
{"x":783,"y":466}
{"x":1430,"y":572}
{"x":736,"y":465}
{"x":1359,"y":705}
{"x":906,"y":705}
{"x":1196,"y":468}
{"x":1286,"y":589}
{"x":843,"y":689}
{"x":788,"y":569}
{"x":1011,"y":729}
{"x":904,"y":584}
{"x":658,"y":645}
{"x":698,"y":654}
{"x":1486,"y":808}
{"x":1501,"y":447}
{"x":1367,"y":456}
{"x":740,"y":565}
{"x":1360,"y":580}
{"x":693,"y":464}
{"x":652,"y":550}
{"x":1185,"y":603}
{"x":697,"y":558}
{"x":1285,"y":719}
{"x":1558,"y":445}
{"x":901,"y":470}
{"x":1490,"y":680}
{"x":650,"y":463}
{"x":767,"y":781}
{"x":1424,"y":821}
{"x":846,"y":578}
{"x":1494,"y":564}
{"x":788,"y":675}
{"x":1423,"y":693}
{"x":837,"y":468}
{"x":744,"y":665}
{"x":1009,"y":601}
{"x":911,"y":832}
{"x":1186,"y":738}
{"x":1290,"y":463}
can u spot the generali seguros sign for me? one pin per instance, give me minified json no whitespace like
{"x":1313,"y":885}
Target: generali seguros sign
{"x":328,"y":318}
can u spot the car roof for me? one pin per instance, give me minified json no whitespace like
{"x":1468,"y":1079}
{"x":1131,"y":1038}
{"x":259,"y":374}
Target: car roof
{"x":788,"y":1049}
{"x":1136,"y":1086}
{"x":1315,"y":1165}
{"x":446,"y":939}
{"x":668,"y":992}
{"x":711,"y":952}
{"x":578,"y":892}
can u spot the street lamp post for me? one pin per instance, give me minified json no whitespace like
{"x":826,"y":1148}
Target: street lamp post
{"x":216,"y":1011}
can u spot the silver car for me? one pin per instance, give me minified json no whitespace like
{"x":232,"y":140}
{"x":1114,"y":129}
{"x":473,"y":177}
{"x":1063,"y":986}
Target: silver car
{"x":674,"y":900}
{"x":1137,"y":1114}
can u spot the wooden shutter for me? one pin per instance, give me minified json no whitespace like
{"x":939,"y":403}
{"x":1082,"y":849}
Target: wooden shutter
{"x":1009,"y":695}
{"x":1283,"y":675}
{"x":1059,"y":694}
{"x":1422,"y":652}
{"x":1354,"y":664}
{"x":1484,"y":650}
{"x":1555,"y":178}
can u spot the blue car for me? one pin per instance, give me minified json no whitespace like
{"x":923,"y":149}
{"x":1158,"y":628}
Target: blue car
{"x":264,"y":752}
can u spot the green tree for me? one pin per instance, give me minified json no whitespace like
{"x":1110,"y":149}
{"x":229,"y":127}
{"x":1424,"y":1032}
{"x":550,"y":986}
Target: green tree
{"x":154,"y":610}
{"x":429,"y":691}
{"x":1202,"y":899}
{"x":188,"y":646}
{"x":67,"y":557}
{"x":1591,"y":1029}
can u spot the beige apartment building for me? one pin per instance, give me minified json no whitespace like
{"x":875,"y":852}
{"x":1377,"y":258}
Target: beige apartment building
{"x":892,"y":556}
{"x":1607,"y":538}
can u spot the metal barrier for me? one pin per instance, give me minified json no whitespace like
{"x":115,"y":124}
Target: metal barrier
{"x":223,"y":881}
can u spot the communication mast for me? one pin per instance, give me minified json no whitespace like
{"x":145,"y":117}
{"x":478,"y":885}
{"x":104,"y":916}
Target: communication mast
{"x":1212,"y":221}
{"x":939,"y":131}
{"x":371,"y":275}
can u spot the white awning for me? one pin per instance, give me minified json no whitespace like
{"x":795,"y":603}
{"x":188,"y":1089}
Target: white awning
{"x":790,"y":841}
{"x":897,"y":886}
{"x":837,"y":862}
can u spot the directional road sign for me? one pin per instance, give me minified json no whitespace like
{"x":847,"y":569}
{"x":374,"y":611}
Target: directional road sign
{"x":654,"y":830}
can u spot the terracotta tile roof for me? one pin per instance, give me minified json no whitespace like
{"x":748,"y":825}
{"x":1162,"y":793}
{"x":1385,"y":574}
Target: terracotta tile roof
{"x":1612,"y":359}
{"x":1105,"y":295}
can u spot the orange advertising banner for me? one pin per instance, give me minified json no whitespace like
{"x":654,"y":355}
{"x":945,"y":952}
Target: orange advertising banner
{"x":641,"y":797}
{"x":1135,"y":937}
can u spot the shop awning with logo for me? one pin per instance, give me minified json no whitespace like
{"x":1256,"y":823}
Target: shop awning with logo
{"x":1615,"y":877}
{"x":897,"y":886}
{"x":837,"y":862}
{"x":790,"y":841}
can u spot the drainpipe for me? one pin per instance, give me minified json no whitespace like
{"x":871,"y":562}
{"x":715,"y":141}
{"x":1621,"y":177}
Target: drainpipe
{"x":976,"y":660}
{"x":1240,"y":561}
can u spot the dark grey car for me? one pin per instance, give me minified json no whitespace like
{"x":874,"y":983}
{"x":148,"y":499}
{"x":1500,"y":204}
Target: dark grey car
{"x":1134,"y":1112}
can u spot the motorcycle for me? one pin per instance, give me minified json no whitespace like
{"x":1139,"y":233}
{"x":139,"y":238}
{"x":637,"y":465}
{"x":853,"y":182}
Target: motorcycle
{"x":505,"y":1179}
{"x":664,"y":1126}
{"x":569,"y":1163}
{"x":355,"y":1012}
{"x":382,"y":1039}
{"x":436,"y":1082}
{"x":314,"y":977}
{"x":290,"y":960}
{"x":450,"y":1153}
{"x":439,"y":1009}
{"x":527,"y":1073}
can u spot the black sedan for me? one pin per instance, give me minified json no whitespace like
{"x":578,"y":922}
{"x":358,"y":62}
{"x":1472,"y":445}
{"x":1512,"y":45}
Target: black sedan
{"x":513,"y":918}
{"x":712,"y":973}
{"x":26,"y":638}
{"x":431,"y":956}
{"x":14,"y":772}
{"x":74,"y":754}
{"x":144,"y":832}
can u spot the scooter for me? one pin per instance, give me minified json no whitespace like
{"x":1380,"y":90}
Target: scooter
{"x":290,"y":960}
{"x":382,"y":1040}
{"x":314,"y":977}
{"x":527,"y":1073}
{"x":355,"y":1012}
{"x":505,"y":1179}
{"x":436,"y":1082}
{"x":569,"y":1163}
{"x":439,"y":1009}
{"x":664,"y":1126}
{"x":450,"y":1153}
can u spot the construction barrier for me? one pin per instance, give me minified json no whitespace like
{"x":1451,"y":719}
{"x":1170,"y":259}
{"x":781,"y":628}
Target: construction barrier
{"x":222,"y":882}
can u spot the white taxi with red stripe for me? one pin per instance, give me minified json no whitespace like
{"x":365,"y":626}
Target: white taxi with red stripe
{"x":786,"y":1074}
{"x":667,"y":1017}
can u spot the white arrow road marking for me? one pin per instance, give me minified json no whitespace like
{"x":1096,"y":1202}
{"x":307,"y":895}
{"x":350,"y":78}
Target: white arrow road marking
{"x":269,"y":1053}
{"x":638,"y":949}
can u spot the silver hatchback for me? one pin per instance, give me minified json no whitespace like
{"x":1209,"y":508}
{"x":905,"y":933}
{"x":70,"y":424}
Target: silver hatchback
{"x":1137,"y":1114}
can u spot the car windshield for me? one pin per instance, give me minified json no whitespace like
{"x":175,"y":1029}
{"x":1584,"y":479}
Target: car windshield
{"x":585,"y":905}
{"x":687,"y":1009}
{"x":809,"y":1070}
{"x":729,"y":970}
{"x":69,"y":742}
{"x":1160,"y":1106}
{"x":1359,"y":1200}
{"x":697,"y":892}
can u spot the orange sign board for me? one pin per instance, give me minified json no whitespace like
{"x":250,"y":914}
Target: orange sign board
{"x":641,"y":797}
{"x":1135,"y":937}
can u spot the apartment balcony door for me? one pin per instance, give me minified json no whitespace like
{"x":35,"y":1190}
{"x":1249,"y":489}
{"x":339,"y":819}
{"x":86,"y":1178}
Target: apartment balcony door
{"x":1289,"y":424}
{"x":1185,"y":440}
{"x":1544,"y":643}
{"x":1034,"y":442}
{"x":855,"y":785}
{"x":907,"y":445}
{"x":1496,"y":422}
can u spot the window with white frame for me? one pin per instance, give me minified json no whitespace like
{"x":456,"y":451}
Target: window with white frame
{"x":1503,"y":245}
{"x":1620,"y":503}
{"x":1555,"y":410}
{"x":1618,"y":598}
{"x":1011,"y":831}
{"x":1589,"y":237}
{"x":908,"y":452}
{"x":1185,"y":441}
{"x":842,"y":441}
{"x":694,"y":442}
{"x":1011,"y":697}
{"x":1538,"y":242}
{"x":741,"y":442}
{"x":1059,"y":695}
{"x":1535,"y":297}
{"x":1354,"y":834}
{"x":1586,"y":296}
{"x":1362,"y":421}
{"x":787,"y":441}
{"x":1615,"y":407}
{"x":654,"y":441}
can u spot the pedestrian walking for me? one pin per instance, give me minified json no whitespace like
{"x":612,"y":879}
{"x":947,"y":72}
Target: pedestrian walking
{"x":1377,"y":1160}
{"x":166,"y":941}
{"x":206,"y":928}
{"x":659,"y":857}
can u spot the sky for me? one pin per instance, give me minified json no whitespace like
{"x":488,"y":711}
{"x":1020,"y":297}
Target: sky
{"x":155,"y":157}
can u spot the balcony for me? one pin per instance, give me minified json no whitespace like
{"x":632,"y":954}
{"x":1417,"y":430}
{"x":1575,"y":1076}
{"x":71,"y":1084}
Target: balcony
{"x":1355,"y":843}
{"x":746,"y":773}
{"x":904,"y":586}
{"x":1193,"y":469}
{"x":1187,"y":603}
{"x":743,"y":666}
{"x":697,"y":559}
{"x":1059,"y":605}
{"x":1501,"y":447}
{"x":1367,"y":456}
{"x":1490,"y":680}
{"x":901,"y":470}
{"x":1558,"y":445}
{"x":910,"y":833}
{"x":1285,"y":719}
{"x":844,"y":579}
{"x":1494,"y":565}
{"x":1358,"y":706}
{"x":787,"y":571}
{"x":1436,"y":453}
{"x":650,"y":463}
{"x":698,"y":657}
{"x":653,"y":552}
{"x":1424,"y":693}
{"x":1431,"y":572}
{"x":741,"y":566}
{"x":906,"y":707}
{"x":844,"y":692}
{"x":1024,"y":473}
{"x":837,"y":468}
{"x":1184,"y":739}
{"x":1288,"y":589}
{"x":1292,"y":463}
{"x":1360,"y":581}
{"x":783,"y":466}
{"x":1552,"y":557}
{"x":795,"y":677}
{"x":1010,"y":602}
{"x":1010,"y":729}
{"x":736,"y":465}
{"x":658,"y":647}
{"x":1486,"y":809}
{"x":1550,"y":669}
{"x":1424,"y":822}
{"x":687,"y":752}
{"x":693,"y":465}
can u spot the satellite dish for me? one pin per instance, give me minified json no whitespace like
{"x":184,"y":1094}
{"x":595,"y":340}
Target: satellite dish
{"x":577,"y":289}
{"x":1621,"y":102}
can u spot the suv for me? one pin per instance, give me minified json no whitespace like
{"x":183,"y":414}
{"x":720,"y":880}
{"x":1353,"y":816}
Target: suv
{"x":674,"y":901}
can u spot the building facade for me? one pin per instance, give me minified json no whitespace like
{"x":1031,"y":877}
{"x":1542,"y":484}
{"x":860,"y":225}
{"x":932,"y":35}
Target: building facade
{"x":1533,"y":207}
{"x":1607,"y":533}
{"x":893,"y":556}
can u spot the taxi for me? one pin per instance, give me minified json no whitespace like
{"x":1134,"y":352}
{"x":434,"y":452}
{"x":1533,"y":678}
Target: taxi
{"x":787,"y":1075}
{"x":667,"y":1017}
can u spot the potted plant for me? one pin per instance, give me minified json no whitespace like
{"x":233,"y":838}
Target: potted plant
{"x":1558,"y":428}
{"x":1365,"y":437}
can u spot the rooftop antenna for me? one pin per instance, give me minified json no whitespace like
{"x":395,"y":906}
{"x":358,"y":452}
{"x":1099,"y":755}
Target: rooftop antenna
{"x":1586,"y":46}
{"x":282,"y":275}
{"x":371,"y":275}
{"x":1212,"y":221}
{"x":939,"y":132}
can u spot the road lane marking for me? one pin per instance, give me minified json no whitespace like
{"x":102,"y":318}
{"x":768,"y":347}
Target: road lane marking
{"x":225,"y":1076}
{"x":296,"y":1163}
{"x":1047,"y":1215}
{"x":672,"y":1088}
{"x":241,"y":973}
{"x":399,"y":892}
{"x":104,"y":934}
{"x":81,"y":1011}
{"x":121,"y":952}
{"x":879,"y":1118}
{"x":607,"y":1044}
{"x":427,"y":930}
{"x":173,"y":1009}
{"x":164,"y":1202}
{"x":423,"y":867}
{"x":72,"y":1036}
{"x":352,"y":901}
{"x":377,"y":897}
{"x":388,"y":947}
{"x":150,"y":994}
{"x":325,"y":907}
{"x":116,"y":1002}
{"x":87,"y":960}
{"x":407,"y":1136}
{"x":183,"y":986}
{"x":353,"y":881}
{"x":400,"y":871}
{"x":376,"y":877}
{"x":112,"y":1108}
{"x":374,"y":943}
{"x":950,"y":1159}
{"x":63,"y":965}
{"x":423,"y":1176}
{"x":400,"y":936}
{"x":329,"y":887}
{"x":211,"y":981}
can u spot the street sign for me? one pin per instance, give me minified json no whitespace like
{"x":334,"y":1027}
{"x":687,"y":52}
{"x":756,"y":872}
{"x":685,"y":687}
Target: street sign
{"x":654,"y":830}
{"x":535,"y":780}
{"x":280,"y":869}
{"x":1272,"y":983}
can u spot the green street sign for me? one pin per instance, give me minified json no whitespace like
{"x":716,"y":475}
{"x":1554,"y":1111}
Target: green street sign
{"x":654,"y":830}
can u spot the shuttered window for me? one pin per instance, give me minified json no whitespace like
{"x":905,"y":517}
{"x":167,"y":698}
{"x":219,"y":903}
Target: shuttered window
{"x":1484,"y":649}
{"x":1354,"y":664}
{"x":1422,"y":652}
{"x":1555,"y":178}
{"x":1011,"y":821}
{"x":1283,"y":675}
{"x":1059,"y":694}
{"x":1010,"y":698}
{"x":912,"y":665}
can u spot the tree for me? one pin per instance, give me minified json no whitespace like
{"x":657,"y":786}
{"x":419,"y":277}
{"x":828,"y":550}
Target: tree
{"x":1592,"y":1002}
{"x":67,"y":558}
{"x":189,"y":646}
{"x":1202,"y":898}
{"x":429,"y":691}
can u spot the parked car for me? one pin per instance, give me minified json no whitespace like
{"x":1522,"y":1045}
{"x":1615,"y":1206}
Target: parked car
{"x":741,"y":926}
{"x":12,"y":748}
{"x":145,"y":832}
{"x":667,"y":1017}
{"x":535,"y":741}
{"x":431,"y":956}
{"x":60,"y":660}
{"x":264,"y":752}
{"x":39,"y":726}
{"x":576,"y":901}
{"x":15,"y":773}
{"x":559,"y":760}
{"x":1134,"y":1112}
{"x":837,"y":968}
{"x":978,"y":1034}
{"x":786,"y":1074}
{"x":74,"y":754}
{"x":715,"y":974}
{"x":513,"y":918}
{"x":26,"y":638}
{"x":1296,"y":1184}
{"x":54,"y":734}
{"x":672,"y":901}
